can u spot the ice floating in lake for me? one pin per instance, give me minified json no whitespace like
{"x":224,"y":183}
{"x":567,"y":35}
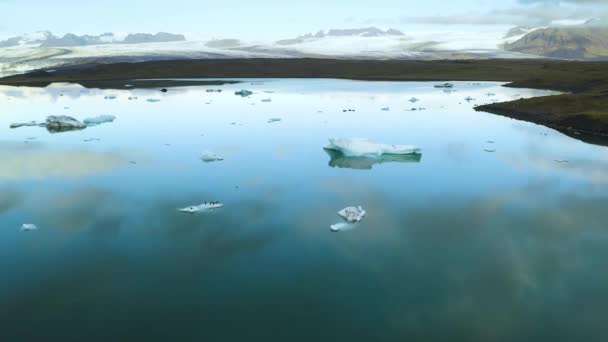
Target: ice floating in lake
{"x":444,"y":85}
{"x":203,"y":207}
{"x":209,"y":157}
{"x":342,"y":226}
{"x":26,"y":124}
{"x":339,"y":160}
{"x":63,"y":123}
{"x":271,"y":120}
{"x":98,"y":120}
{"x":414,"y":100}
{"x":362,"y":147}
{"x":243,"y":93}
{"x":153,"y":100}
{"x":352,"y":214}
{"x":28,"y":227}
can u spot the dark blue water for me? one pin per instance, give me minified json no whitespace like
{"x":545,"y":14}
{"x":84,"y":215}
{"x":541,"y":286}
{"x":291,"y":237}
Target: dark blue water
{"x":460,"y":245}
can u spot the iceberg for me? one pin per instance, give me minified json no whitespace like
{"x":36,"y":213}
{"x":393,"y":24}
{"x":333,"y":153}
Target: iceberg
{"x":243,"y":93}
{"x":63,"y":123}
{"x":26,"y":227}
{"x":202,"y":207}
{"x":98,"y":120}
{"x":25,"y":124}
{"x":342,"y":226}
{"x":209,"y":157}
{"x":339,"y":160}
{"x":357,"y":147}
{"x":444,"y":85}
{"x":414,"y":100}
{"x":352,"y":214}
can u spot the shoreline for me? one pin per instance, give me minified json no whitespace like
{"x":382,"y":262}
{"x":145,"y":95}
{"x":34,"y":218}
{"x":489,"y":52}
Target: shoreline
{"x":583,"y":108}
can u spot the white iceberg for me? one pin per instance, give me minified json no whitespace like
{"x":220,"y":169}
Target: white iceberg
{"x":243,"y":93}
{"x":356,"y":147}
{"x":63,"y":123}
{"x":98,"y":120}
{"x":28,"y":227}
{"x":352,"y":214}
{"x":203,"y":207}
{"x":342,"y":226}
{"x":209,"y":157}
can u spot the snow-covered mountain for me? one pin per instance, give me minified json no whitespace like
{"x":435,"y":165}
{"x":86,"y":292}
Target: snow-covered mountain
{"x":47,"y":39}
{"x":45,"y":50}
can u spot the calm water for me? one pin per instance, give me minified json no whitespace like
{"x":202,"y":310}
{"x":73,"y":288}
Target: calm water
{"x":461,"y":245}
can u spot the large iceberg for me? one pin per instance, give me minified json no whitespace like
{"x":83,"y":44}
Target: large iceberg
{"x":339,"y":160}
{"x":63,"y":123}
{"x":357,"y":147}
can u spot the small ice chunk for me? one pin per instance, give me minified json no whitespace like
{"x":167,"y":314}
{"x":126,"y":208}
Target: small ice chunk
{"x":341,"y":227}
{"x":202,"y":207}
{"x":243,"y":93}
{"x":209,"y":157}
{"x":271,"y":120}
{"x":386,"y":109}
{"x":214,"y":90}
{"x":110,"y":97}
{"x":355,"y":147}
{"x":153,"y":100}
{"x":26,"y":227}
{"x":352,"y":214}
{"x":128,"y":86}
{"x":414,"y":100}
{"x":266,"y":100}
{"x":98,"y":120}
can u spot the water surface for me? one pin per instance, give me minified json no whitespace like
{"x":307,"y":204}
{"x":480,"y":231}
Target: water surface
{"x":496,"y":233}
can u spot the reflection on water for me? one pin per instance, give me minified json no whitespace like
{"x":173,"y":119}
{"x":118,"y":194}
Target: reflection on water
{"x":462,"y":245}
{"x":339,"y":160}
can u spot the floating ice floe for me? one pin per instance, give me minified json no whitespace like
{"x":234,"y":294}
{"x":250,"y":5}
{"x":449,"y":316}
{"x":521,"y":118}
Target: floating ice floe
{"x":271,"y":120}
{"x":98,"y":120}
{"x":26,"y":227}
{"x":153,"y":100}
{"x":243,"y":93}
{"x":62,"y":123}
{"x":209,"y":157}
{"x":363,"y":147}
{"x":351,"y":216}
{"x":203,"y":207}
{"x":25,"y":124}
{"x":414,"y":100}
{"x":444,"y":85}
{"x":339,"y":160}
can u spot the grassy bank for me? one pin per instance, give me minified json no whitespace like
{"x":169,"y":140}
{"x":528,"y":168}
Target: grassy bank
{"x":584,"y":109}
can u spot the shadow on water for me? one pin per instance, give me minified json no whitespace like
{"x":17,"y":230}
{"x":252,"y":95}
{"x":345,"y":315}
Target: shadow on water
{"x":339,"y":160}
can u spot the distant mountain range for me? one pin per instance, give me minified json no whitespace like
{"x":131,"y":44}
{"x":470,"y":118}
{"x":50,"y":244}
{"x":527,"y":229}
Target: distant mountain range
{"x":46,"y":39}
{"x":578,"y":42}
{"x":368,"y":32}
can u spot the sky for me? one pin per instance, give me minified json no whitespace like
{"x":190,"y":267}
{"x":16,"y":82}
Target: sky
{"x":275,"y":19}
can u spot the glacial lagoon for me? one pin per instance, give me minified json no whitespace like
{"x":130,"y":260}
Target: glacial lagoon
{"x":496,"y":232}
